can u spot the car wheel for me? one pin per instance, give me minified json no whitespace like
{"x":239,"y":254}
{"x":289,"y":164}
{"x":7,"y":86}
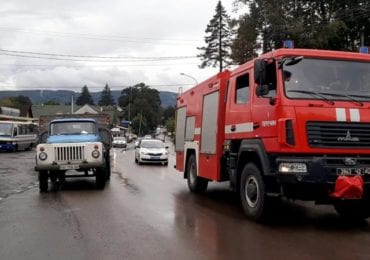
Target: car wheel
{"x":196,"y":184}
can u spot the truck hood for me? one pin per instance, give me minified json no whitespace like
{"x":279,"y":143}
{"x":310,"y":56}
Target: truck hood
{"x":72,"y":139}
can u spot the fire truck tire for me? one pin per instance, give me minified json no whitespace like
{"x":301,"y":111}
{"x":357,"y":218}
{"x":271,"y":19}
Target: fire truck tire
{"x":100,"y":178}
{"x":252,"y":193}
{"x":353,"y":210}
{"x":43,"y":181}
{"x":196,"y":184}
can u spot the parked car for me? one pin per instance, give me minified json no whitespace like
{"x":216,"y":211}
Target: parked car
{"x":151,"y":151}
{"x":120,"y":142}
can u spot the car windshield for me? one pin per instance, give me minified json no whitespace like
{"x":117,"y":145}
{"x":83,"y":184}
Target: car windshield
{"x":328,"y":80}
{"x":5,"y":129}
{"x":151,"y":144}
{"x":119,"y":139}
{"x":70,"y":128}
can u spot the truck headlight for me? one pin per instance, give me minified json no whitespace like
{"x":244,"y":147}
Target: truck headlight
{"x":43,"y":156}
{"x":292,"y":167}
{"x":95,"y":154}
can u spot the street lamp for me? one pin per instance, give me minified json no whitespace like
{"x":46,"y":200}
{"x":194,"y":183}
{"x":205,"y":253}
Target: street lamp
{"x":186,"y":75}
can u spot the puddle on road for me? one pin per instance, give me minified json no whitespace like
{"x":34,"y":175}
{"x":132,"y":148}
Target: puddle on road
{"x":126,"y":182}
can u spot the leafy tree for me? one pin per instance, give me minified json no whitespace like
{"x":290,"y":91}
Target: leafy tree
{"x":106,"y":98}
{"x":170,"y":125}
{"x":321,"y":24}
{"x":218,"y":40}
{"x":16,"y":102}
{"x":85,"y":97}
{"x":141,"y":100}
{"x":167,"y":113}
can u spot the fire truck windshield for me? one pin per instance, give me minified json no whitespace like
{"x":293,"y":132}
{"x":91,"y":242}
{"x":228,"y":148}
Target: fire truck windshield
{"x":336,"y":79}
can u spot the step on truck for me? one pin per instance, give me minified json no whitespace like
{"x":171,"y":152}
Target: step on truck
{"x":292,"y":123}
{"x":73,"y":146}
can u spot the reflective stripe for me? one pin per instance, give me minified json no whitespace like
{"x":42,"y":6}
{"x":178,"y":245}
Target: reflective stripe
{"x":354,"y":115}
{"x":197,"y":131}
{"x":341,"y":114}
{"x":240,"y":128}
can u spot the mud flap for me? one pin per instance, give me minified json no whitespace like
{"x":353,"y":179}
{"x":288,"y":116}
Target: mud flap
{"x":348,"y":187}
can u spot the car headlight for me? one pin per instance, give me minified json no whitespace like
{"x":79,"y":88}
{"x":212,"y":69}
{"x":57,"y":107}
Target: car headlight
{"x":292,"y":167}
{"x":144,"y":153}
{"x":95,"y":154}
{"x":43,"y":156}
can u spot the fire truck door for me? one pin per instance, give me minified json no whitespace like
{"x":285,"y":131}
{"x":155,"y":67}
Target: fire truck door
{"x":238,"y":123}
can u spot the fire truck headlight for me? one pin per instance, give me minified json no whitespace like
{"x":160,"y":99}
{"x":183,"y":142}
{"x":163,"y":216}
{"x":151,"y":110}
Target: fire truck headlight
{"x":43,"y":156}
{"x":292,"y":167}
{"x":95,"y":154}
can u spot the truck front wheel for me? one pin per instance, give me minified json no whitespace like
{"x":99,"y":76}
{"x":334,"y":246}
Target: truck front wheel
{"x":43,"y":181}
{"x":100,"y":178}
{"x":252,"y":193}
{"x":196,"y":184}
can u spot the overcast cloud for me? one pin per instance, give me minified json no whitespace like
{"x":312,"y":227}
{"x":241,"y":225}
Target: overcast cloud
{"x":105,"y":28}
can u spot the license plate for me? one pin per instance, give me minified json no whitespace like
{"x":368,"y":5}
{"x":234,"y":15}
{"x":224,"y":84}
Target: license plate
{"x":69,"y":167}
{"x":353,"y":171}
{"x":154,"y":157}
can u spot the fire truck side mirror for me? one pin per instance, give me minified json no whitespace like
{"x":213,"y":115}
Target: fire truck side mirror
{"x":260,"y":72}
{"x":262,"y":90}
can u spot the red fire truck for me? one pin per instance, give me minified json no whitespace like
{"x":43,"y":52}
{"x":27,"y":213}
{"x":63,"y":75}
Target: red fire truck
{"x":291,"y":123}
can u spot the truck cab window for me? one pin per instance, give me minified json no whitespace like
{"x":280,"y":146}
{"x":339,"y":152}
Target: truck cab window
{"x":242,"y":89}
{"x":271,"y":80}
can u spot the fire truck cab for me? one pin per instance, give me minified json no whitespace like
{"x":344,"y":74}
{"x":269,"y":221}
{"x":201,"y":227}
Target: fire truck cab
{"x":291,"y":123}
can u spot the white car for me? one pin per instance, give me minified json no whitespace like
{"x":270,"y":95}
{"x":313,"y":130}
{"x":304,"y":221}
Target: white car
{"x":119,"y":141}
{"x":151,"y":151}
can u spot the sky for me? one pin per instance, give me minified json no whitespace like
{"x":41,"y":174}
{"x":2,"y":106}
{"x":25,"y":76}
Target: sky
{"x":97,"y":42}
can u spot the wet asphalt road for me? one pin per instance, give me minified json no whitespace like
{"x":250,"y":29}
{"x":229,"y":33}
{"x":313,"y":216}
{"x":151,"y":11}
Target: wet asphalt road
{"x":146,"y":212}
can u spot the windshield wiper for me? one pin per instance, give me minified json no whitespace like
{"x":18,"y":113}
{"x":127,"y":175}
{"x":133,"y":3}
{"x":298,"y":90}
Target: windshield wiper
{"x":319,"y":94}
{"x":350,"y":97}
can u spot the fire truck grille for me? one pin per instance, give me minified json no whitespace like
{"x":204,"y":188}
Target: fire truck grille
{"x":338,"y":134}
{"x":69,"y":153}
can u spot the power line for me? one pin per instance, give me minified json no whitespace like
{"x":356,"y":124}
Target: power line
{"x":70,"y":57}
{"x":120,"y":38}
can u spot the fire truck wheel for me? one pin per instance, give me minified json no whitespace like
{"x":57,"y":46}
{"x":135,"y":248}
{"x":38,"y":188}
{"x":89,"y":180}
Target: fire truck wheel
{"x":100,"y":178}
{"x":43,"y":181}
{"x":353,"y":210}
{"x":252,"y":192}
{"x":196,"y":184}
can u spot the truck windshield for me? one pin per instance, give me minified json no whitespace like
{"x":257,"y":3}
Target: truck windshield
{"x":5,"y":129}
{"x":334,"y":79}
{"x":72,"y":128}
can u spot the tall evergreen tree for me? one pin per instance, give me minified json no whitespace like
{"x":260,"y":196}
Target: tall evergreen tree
{"x":85,"y":97}
{"x":218,"y":40}
{"x":106,"y":98}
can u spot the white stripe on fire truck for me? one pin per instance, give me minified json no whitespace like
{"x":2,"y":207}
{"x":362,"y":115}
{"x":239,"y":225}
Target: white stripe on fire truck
{"x":354,"y":115}
{"x":341,"y":114}
{"x":239,"y":128}
{"x":197,"y":131}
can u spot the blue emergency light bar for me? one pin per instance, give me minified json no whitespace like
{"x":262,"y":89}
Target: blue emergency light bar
{"x":288,"y":44}
{"x":364,"y":49}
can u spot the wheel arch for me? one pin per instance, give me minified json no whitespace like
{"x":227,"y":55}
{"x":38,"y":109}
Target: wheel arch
{"x":252,"y":151}
{"x":191,"y":148}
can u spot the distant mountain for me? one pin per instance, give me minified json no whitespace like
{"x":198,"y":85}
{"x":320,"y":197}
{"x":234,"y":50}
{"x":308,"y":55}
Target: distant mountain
{"x":65,"y":96}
